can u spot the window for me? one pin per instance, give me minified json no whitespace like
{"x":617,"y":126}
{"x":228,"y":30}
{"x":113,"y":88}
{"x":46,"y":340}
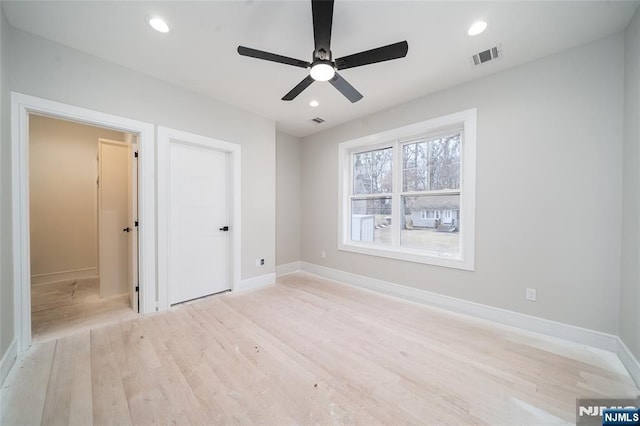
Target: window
{"x":409,"y":193}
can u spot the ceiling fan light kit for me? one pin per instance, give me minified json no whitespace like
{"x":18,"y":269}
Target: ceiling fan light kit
{"x":322,"y":67}
{"x":322,"y":71}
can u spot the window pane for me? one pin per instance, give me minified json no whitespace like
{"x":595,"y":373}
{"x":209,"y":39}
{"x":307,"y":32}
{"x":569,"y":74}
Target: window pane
{"x":371,"y":220}
{"x":431,"y":165}
{"x":372,"y":172}
{"x":431,"y":223}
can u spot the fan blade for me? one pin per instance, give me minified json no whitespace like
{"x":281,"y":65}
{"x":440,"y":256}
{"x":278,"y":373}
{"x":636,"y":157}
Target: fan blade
{"x":345,"y":88}
{"x":298,"y":89}
{"x":322,"y":11}
{"x":259,"y":54}
{"x":380,"y":54}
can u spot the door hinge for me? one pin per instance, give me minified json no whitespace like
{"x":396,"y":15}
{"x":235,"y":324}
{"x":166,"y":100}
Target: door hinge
{"x":135,"y":154}
{"x":137,"y":288}
{"x":135,"y":223}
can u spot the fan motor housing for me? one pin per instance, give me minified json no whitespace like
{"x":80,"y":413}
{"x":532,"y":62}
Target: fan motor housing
{"x":322,"y":55}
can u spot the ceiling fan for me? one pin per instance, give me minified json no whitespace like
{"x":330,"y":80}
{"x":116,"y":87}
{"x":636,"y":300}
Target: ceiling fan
{"x":323,"y":67}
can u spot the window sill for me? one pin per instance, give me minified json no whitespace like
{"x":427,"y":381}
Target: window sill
{"x":409,"y":255}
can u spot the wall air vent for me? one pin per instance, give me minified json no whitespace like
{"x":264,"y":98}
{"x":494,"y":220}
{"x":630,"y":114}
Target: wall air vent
{"x":317,"y":120}
{"x":487,"y":55}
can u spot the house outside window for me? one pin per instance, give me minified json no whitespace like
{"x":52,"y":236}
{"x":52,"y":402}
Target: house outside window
{"x":409,"y":193}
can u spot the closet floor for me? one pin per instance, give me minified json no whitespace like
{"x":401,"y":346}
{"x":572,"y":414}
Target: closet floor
{"x":66,"y":307}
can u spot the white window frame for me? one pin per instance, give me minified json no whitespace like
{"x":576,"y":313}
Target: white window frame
{"x":465,"y":120}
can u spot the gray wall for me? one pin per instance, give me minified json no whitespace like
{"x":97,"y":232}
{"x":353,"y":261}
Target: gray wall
{"x":288,"y":193}
{"x":549,"y":182}
{"x":6,"y":264}
{"x":630,"y":276}
{"x":42,"y":68}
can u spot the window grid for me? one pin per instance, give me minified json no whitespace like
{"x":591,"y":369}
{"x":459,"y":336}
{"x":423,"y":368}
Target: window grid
{"x":399,"y":194}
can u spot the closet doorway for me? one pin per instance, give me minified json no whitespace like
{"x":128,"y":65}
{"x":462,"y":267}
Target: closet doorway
{"x":83,"y":226}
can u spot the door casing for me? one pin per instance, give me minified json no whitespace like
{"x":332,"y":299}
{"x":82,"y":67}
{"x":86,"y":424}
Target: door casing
{"x":166,"y":137}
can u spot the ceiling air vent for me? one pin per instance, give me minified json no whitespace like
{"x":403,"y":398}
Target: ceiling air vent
{"x":487,"y":55}
{"x":317,"y":120}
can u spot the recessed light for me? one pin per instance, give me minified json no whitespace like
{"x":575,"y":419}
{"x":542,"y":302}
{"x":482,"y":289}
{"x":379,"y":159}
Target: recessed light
{"x":159,"y":25}
{"x":314,"y":103}
{"x":477,"y":28}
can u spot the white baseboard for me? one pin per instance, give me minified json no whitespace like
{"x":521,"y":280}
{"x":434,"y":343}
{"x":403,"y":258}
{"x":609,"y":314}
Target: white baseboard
{"x":8,"y":359}
{"x":257,"y":282}
{"x":63,"y":275}
{"x":630,"y":362}
{"x":288,"y":268}
{"x":569,"y":332}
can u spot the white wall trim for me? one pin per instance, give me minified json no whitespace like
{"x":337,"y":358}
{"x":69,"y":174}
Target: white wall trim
{"x":569,"y":332}
{"x":630,"y":362}
{"x":256,"y":282}
{"x":166,"y":137}
{"x":73,"y":274}
{"x":8,"y":360}
{"x":288,"y":268}
{"x":23,"y":105}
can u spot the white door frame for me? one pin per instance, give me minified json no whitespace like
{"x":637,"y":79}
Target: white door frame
{"x":23,"y":105}
{"x":166,"y":137}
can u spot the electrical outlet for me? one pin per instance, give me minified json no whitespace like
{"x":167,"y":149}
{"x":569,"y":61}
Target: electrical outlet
{"x":323,"y":254}
{"x":531,"y":294}
{"x":261,"y":262}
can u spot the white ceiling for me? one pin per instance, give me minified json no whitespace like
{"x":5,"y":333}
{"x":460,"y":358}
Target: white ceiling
{"x":200,"y":55}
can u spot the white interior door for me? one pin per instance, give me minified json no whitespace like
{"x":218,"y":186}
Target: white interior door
{"x":198,"y":208}
{"x":113,"y":208}
{"x":132,"y":243}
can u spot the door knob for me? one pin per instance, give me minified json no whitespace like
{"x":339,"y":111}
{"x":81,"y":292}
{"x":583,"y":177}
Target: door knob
{"x":224,"y":228}
{"x":127,"y":229}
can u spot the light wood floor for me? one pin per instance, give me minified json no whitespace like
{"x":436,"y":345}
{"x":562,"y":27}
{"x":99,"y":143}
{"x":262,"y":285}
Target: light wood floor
{"x":307,"y":351}
{"x":67,"y":307}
